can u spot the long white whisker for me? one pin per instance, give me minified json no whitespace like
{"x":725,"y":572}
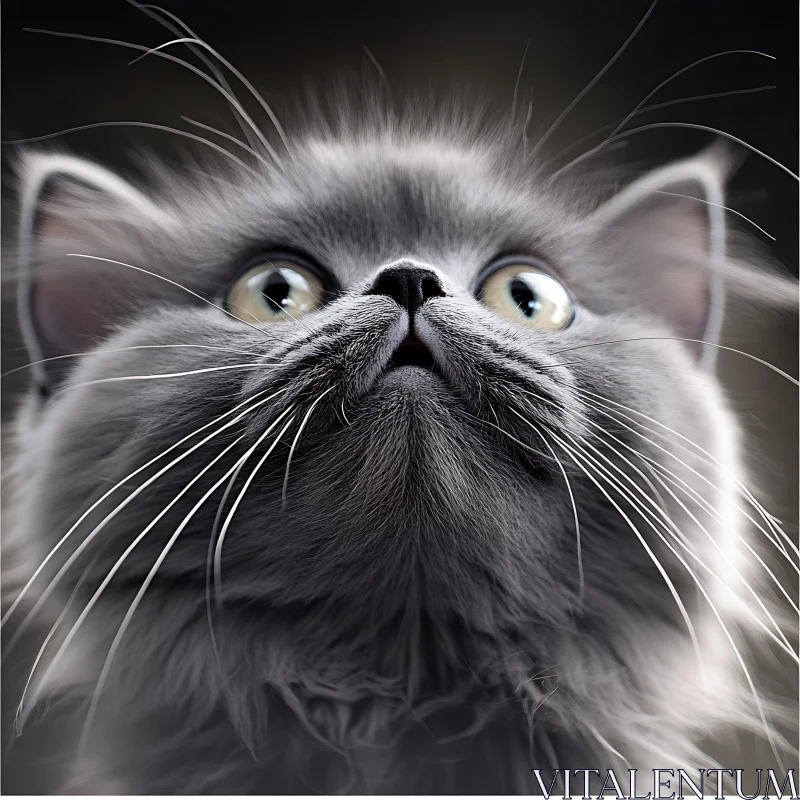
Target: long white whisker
{"x":574,"y":507}
{"x":294,"y":442}
{"x":656,"y":562}
{"x":125,"y":349}
{"x":748,"y":494}
{"x":94,"y":505}
{"x":276,"y":307}
{"x":153,"y":12}
{"x":49,"y":636}
{"x":657,"y":125}
{"x":782,"y":641}
{"x":20,"y":720}
{"x":757,"y":701}
{"x":699,"y":499}
{"x":681,"y":339}
{"x":678,"y":74}
{"x":158,"y":375}
{"x":135,"y":604}
{"x":224,"y":531}
{"x":173,"y":283}
{"x":651,"y":464}
{"x":210,"y":564}
{"x":230,"y":138}
{"x":135,"y":124}
{"x":85,"y":543}
{"x":718,"y":205}
{"x":681,"y":485}
{"x":263,"y":103}
{"x":229,"y":97}
{"x":594,"y":80}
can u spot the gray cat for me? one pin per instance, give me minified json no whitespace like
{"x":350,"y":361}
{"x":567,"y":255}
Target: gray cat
{"x":395,"y":463}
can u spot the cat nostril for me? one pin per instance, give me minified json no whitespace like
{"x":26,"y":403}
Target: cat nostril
{"x":408,"y":286}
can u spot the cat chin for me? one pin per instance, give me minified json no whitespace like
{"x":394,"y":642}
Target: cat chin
{"x":410,"y":378}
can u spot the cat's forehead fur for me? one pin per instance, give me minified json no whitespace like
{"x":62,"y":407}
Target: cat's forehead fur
{"x":355,"y":205}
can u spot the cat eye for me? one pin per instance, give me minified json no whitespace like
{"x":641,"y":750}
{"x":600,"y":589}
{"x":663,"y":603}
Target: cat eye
{"x":524,"y":293}
{"x":275,"y":291}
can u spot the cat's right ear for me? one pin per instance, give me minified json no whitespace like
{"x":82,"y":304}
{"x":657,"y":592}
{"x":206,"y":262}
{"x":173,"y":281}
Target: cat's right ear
{"x":67,"y":304}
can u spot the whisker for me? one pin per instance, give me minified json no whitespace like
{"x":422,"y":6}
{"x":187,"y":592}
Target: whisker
{"x":179,"y":286}
{"x":572,"y":501}
{"x":707,"y":457}
{"x":136,"y":602}
{"x":209,"y":565}
{"x":85,"y":543}
{"x":718,"y":205}
{"x":648,"y":550}
{"x":229,"y":97}
{"x":156,"y":376}
{"x":230,"y":138}
{"x":677,"y":74}
{"x":519,"y":79}
{"x":688,"y":125}
{"x":135,"y":124}
{"x":782,"y":641}
{"x":55,"y":627}
{"x":125,"y":349}
{"x":153,"y":12}
{"x":263,"y":103}
{"x":21,"y":718}
{"x":594,"y":80}
{"x":766,"y":727}
{"x":701,"y":501}
{"x":296,"y":439}
{"x":658,"y":565}
{"x":682,"y":339}
{"x":250,"y":478}
{"x":748,"y":494}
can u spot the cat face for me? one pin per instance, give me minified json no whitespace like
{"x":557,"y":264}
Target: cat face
{"x":392,"y":380}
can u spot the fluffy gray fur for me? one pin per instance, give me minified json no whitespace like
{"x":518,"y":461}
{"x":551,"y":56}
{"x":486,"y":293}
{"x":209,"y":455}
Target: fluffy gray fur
{"x":409,"y":617}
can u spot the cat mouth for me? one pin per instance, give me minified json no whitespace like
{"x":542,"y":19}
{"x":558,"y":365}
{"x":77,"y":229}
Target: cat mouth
{"x":411,"y":352}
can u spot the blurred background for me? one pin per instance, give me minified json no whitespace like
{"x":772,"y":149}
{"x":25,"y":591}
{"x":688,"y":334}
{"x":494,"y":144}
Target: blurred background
{"x":49,"y":84}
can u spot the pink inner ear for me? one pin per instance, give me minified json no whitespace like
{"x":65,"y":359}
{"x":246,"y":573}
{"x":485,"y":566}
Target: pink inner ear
{"x":72,"y":311}
{"x":662,"y":245}
{"x":688,"y":295}
{"x":77,"y":303}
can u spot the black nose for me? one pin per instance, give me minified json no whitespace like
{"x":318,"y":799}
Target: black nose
{"x":409,"y":286}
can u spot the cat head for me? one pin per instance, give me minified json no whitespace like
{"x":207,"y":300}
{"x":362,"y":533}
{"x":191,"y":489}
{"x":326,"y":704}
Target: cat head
{"x":385,"y":397}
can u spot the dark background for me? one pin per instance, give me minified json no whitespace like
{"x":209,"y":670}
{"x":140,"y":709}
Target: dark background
{"x":50,"y":84}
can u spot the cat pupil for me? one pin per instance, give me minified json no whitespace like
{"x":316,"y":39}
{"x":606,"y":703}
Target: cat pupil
{"x":277,"y":290}
{"x":524,"y":297}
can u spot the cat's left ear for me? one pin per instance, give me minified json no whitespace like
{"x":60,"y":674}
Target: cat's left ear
{"x":69,"y":304}
{"x":667,"y":236}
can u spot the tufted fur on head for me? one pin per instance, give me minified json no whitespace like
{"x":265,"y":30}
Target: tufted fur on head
{"x":294,"y":563}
